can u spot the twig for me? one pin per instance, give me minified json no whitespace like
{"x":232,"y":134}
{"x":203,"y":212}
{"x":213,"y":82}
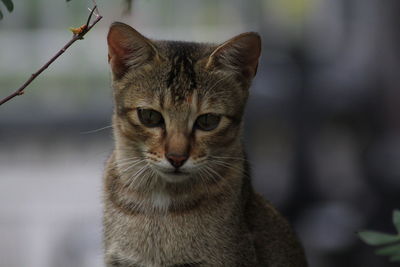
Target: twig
{"x":75,"y":38}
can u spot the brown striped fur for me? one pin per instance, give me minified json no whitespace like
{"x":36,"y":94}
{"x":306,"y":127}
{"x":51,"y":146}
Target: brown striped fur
{"x":206,"y":214}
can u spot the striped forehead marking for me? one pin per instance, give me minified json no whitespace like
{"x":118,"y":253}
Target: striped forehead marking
{"x":182,"y":76}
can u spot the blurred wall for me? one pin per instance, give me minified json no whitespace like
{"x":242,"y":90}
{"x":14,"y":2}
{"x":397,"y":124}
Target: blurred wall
{"x":322,"y":122}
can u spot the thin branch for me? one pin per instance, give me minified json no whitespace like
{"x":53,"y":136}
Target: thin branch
{"x":75,"y":38}
{"x":90,"y":17}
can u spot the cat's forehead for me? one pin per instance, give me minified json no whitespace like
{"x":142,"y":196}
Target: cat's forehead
{"x":174,"y":50}
{"x":176,"y":76}
{"x":181,"y":68}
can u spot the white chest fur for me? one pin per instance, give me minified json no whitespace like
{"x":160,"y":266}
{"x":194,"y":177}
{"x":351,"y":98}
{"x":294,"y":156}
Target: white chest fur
{"x":160,"y":201}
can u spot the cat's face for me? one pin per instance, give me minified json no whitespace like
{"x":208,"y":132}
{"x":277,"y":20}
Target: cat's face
{"x":179,"y":105}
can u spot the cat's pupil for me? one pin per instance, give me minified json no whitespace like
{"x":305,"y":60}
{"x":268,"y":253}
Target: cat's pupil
{"x":150,"y":117}
{"x":207,"y":122}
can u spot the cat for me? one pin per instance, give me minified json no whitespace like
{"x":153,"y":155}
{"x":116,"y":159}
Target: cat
{"x":177,"y":190}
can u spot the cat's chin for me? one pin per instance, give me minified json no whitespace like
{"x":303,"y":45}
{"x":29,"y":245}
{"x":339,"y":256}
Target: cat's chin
{"x":174,"y":177}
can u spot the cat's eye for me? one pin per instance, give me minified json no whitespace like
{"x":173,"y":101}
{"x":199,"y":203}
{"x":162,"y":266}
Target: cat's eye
{"x":150,"y":117}
{"x":207,"y":122}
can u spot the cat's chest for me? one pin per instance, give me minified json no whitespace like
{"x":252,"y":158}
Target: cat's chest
{"x":174,"y":240}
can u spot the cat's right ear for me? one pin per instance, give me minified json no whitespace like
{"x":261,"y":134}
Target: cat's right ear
{"x":239,"y":54}
{"x":127,"y":49}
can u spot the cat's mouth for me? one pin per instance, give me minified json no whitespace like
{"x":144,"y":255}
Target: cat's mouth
{"x":173,"y":175}
{"x":178,"y":172}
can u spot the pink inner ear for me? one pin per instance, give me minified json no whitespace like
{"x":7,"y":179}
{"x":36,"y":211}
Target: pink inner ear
{"x":127,"y":48}
{"x":117,"y":51}
{"x":115,"y":44}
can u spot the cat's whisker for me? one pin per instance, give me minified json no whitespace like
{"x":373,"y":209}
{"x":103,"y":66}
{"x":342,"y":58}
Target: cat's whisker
{"x":151,"y":180}
{"x":147,"y":187}
{"x":230,"y":166}
{"x":215,"y":178}
{"x":135,"y":164}
{"x":138,"y":172}
{"x":146,"y":172}
{"x":127,"y":160}
{"x":208,"y":175}
{"x":132,"y":166}
{"x":133,"y":180}
{"x":143,"y":176}
{"x":201,"y":175}
{"x":225,"y":185}
{"x":121,"y":163}
{"x":129,"y":163}
{"x":97,"y":130}
{"x":213,"y":174}
{"x":236,"y":158}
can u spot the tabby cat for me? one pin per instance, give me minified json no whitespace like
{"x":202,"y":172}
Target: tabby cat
{"x":177,"y":190}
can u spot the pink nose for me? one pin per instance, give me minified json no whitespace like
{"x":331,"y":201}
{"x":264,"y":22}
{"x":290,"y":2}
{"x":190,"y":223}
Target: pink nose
{"x":176,"y":160}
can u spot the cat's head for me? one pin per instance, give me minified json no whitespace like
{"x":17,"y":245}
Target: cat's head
{"x":179,"y":105}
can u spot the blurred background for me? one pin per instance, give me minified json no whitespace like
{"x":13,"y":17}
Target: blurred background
{"x":322,"y":122}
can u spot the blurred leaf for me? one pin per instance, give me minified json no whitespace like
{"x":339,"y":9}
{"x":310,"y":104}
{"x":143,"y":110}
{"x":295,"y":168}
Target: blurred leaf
{"x":392,"y":250}
{"x":395,"y":258}
{"x":396,"y":220}
{"x":377,"y":238}
{"x":128,"y":6}
{"x":9,"y":5}
{"x":68,"y":0}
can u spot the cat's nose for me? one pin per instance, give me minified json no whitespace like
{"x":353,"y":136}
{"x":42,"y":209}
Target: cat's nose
{"x":176,"y":160}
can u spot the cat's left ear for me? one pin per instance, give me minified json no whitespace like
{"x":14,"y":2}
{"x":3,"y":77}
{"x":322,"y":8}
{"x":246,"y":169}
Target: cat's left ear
{"x":240,"y":54}
{"x":128,"y":49}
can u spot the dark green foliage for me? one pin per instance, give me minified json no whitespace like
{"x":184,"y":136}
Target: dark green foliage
{"x":9,"y":5}
{"x":376,"y":238}
{"x":396,"y":220}
{"x":392,"y":241}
